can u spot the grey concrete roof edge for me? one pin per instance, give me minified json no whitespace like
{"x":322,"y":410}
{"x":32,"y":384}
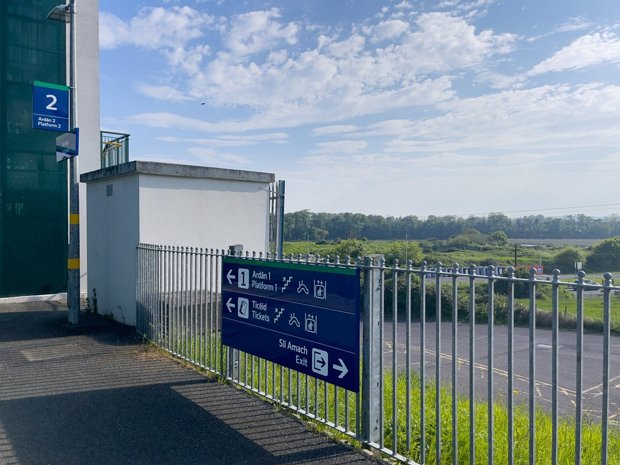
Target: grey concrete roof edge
{"x":173,"y":169}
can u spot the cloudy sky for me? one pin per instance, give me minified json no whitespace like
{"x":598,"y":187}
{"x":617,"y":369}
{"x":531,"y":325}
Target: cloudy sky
{"x":393,"y":108}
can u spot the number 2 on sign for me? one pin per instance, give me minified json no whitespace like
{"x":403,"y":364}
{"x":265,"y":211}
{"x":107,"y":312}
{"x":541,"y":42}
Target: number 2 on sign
{"x":52,"y":104}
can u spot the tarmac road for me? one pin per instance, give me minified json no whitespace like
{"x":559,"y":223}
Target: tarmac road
{"x":592,"y":364}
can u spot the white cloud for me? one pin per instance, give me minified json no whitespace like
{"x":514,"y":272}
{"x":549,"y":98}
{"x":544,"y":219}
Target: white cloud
{"x":588,"y":50}
{"x":342,"y":146}
{"x":335,"y":129}
{"x":346,"y":78}
{"x":214,"y":158}
{"x":230,"y":140}
{"x":444,"y":43}
{"x":574,"y":24}
{"x":404,"y":5}
{"x":540,"y":119}
{"x":257,"y":31}
{"x":168,"y":30}
{"x":164,"y":93}
{"x":343,"y":76}
{"x":153,"y":28}
{"x":389,"y":29}
{"x":113,"y":31}
{"x":499,"y":80}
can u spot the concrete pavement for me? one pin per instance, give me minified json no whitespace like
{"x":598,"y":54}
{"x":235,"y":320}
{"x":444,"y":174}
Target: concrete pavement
{"x":94,"y":395}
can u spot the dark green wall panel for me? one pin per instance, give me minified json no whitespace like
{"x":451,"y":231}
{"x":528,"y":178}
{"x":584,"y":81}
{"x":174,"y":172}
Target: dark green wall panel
{"x":33,"y":186}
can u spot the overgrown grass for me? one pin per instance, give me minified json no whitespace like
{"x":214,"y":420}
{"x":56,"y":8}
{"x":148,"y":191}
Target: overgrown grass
{"x":591,"y":454}
{"x":331,"y":406}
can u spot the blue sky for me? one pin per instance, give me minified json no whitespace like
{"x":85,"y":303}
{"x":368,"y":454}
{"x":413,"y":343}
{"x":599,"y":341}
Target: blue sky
{"x":393,"y":108}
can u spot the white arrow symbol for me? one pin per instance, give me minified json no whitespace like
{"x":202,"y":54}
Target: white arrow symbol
{"x":342,"y":368}
{"x":229,"y":304}
{"x":231,"y":276}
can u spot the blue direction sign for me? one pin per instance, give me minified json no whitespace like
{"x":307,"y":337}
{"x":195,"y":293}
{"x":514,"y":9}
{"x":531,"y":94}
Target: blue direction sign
{"x":301,"y":316}
{"x":50,"y":107}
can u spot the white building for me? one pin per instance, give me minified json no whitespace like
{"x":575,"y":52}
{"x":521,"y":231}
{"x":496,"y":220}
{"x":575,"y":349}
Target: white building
{"x":166,"y":204}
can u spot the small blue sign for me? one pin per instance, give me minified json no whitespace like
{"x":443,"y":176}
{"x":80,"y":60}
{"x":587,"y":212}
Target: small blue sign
{"x":50,"y":106}
{"x":301,"y":316}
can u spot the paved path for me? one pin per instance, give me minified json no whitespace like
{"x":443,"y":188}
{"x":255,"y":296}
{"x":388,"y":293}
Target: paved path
{"x":94,"y":395}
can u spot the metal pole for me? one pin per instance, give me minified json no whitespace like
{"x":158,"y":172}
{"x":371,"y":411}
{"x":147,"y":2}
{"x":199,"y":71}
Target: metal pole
{"x":280,"y":218}
{"x":372,"y":353}
{"x":73,"y":262}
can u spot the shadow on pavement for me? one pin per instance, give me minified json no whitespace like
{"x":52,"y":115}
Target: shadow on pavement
{"x":94,"y":395}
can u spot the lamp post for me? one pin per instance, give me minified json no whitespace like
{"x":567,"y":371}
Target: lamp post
{"x":65,"y":13}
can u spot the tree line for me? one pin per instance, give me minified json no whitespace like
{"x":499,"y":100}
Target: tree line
{"x":306,"y":225}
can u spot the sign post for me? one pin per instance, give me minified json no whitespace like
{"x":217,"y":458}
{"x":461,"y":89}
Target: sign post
{"x":302,"y":316}
{"x":50,"y":106}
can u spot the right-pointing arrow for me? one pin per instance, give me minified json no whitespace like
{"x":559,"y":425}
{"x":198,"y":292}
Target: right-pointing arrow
{"x":342,"y":368}
{"x":229,"y":304}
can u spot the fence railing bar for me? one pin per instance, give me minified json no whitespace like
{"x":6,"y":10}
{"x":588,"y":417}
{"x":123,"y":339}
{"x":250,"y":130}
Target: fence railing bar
{"x":455,"y":371}
{"x":423,"y":363}
{"x":218,"y":342}
{"x":532,"y":369}
{"x":606,"y":348}
{"x":438,"y":365}
{"x":408,"y":358}
{"x":395,"y":357}
{"x":490,"y":364}
{"x":510,"y":355}
{"x":555,"y":299}
{"x":381,"y":345}
{"x":579,"y":372}
{"x":472,"y":364}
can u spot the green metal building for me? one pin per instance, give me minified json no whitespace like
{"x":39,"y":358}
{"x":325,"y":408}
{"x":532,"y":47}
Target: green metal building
{"x":33,"y":186}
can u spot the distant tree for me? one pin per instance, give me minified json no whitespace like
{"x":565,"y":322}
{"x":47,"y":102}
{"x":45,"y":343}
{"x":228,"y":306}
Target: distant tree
{"x":566,"y":259}
{"x":499,"y":238}
{"x":404,"y":251}
{"x":299,"y":226}
{"x":351,"y":247}
{"x":466,"y":239}
{"x":320,"y":234}
{"x":605,"y":256}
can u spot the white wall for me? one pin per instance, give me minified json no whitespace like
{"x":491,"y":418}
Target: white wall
{"x":87,"y":90}
{"x":113,"y":235}
{"x":199,"y":212}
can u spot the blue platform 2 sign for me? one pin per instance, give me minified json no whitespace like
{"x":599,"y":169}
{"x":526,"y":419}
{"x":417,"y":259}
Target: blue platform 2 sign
{"x":302,"y":316}
{"x":50,"y":106}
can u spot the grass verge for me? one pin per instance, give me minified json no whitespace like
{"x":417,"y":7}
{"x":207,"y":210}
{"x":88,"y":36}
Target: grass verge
{"x":328,"y":407}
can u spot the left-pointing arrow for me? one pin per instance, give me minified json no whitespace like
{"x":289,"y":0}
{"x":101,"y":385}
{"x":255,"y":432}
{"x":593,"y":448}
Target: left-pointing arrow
{"x":230,"y":305}
{"x":230,"y":276}
{"x":342,"y":368}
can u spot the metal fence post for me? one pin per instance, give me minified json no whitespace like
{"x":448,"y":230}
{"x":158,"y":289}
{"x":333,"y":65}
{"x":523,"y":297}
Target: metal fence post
{"x":232,"y":355}
{"x":372,"y":353}
{"x":280,"y":219}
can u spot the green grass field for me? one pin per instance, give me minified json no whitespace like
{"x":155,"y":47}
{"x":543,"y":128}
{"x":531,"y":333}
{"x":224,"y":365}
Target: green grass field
{"x":592,"y":307}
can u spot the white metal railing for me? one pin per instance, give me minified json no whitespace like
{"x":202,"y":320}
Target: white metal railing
{"x":455,"y":367}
